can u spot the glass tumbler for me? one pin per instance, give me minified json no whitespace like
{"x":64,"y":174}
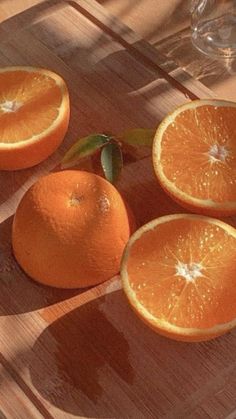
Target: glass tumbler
{"x":213,"y":26}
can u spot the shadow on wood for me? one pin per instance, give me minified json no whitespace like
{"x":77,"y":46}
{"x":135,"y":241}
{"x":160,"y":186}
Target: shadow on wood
{"x":90,"y":362}
{"x":87,"y":362}
{"x":153,"y":19}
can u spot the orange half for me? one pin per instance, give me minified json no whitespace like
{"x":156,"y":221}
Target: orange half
{"x":179,"y":274}
{"x":194,"y":156}
{"x":34,"y":115}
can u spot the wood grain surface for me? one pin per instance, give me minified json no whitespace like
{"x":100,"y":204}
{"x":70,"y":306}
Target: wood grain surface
{"x":14,"y":402}
{"x":166,"y":25}
{"x":83,"y":353}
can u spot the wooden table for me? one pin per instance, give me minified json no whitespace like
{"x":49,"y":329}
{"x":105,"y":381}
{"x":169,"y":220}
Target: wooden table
{"x":84,"y":354}
{"x":166,"y":26}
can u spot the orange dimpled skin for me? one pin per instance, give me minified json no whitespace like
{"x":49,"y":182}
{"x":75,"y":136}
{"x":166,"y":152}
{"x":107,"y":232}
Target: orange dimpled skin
{"x":179,"y":274}
{"x":70,"y":230}
{"x":34,"y":115}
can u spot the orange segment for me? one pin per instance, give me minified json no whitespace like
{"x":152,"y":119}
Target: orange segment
{"x":194,"y":156}
{"x":179,"y":273}
{"x":34,"y":115}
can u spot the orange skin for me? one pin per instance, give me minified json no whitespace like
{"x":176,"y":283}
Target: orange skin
{"x":70,"y":230}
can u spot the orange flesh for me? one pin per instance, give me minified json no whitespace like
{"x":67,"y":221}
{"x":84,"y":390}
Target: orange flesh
{"x":185,"y":152}
{"x":37,"y":98}
{"x":207,"y":300}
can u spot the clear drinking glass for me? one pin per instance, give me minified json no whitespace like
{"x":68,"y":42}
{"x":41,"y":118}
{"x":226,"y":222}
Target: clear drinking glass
{"x":213,"y":25}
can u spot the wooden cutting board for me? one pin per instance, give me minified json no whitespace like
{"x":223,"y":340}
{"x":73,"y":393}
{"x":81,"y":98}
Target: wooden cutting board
{"x":83,"y":353}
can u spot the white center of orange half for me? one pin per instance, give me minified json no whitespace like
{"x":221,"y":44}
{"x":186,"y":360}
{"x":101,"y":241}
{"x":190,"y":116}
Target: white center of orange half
{"x":189,"y":271}
{"x":10,"y":106}
{"x":218,"y":153}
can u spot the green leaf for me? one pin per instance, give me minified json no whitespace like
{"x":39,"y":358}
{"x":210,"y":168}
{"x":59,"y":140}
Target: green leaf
{"x":138,"y":137}
{"x":112,"y":161}
{"x":84,"y":147}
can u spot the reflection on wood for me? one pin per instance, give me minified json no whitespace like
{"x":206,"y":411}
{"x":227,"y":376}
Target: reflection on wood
{"x":219,"y":75}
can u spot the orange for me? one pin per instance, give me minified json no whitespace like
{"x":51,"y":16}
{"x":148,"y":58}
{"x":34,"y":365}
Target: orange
{"x":70,"y":230}
{"x":179,"y":274}
{"x":34,"y":115}
{"x":194,"y":156}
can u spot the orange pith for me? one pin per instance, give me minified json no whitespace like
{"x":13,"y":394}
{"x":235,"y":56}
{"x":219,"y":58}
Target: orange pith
{"x":179,"y":273}
{"x":70,"y":230}
{"x":194,"y":156}
{"x":34,"y":115}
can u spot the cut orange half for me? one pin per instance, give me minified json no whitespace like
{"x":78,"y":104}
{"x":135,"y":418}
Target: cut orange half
{"x":34,"y":115}
{"x":194,"y":156}
{"x":179,"y":274}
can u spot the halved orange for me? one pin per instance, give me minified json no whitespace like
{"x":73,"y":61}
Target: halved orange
{"x":179,"y":274}
{"x":194,"y":156}
{"x":34,"y":115}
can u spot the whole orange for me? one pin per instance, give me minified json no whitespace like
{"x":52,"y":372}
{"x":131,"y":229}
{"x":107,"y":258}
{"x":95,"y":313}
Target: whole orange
{"x":70,"y":230}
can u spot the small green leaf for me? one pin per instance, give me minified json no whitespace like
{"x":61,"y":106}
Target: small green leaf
{"x":112,"y":161}
{"x":84,"y":147}
{"x":138,"y":137}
